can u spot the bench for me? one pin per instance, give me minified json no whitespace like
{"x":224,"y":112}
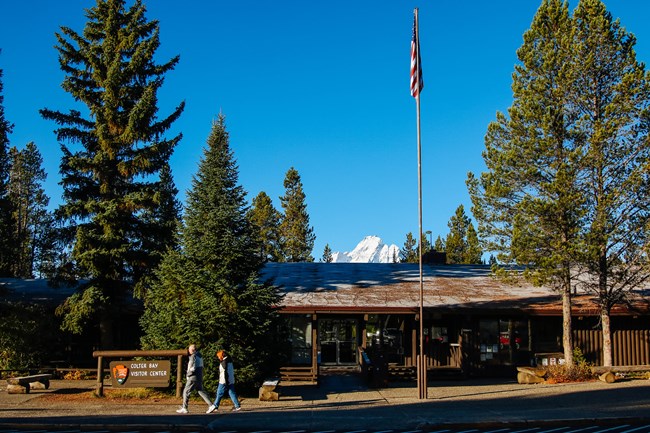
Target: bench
{"x":302,"y":374}
{"x":267,"y":390}
{"x":22,"y":385}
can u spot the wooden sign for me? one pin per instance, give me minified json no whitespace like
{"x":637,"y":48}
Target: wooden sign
{"x":140,"y":374}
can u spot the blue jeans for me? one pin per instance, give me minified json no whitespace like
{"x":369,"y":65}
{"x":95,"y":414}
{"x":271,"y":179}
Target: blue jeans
{"x":221,"y":390}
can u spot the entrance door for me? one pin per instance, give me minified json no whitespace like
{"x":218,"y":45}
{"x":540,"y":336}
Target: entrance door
{"x":338,"y":341}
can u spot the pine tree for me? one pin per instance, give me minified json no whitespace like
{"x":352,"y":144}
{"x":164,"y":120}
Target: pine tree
{"x":528,"y":205}
{"x":327,"y":254}
{"x":206,"y":290}
{"x":266,"y":219}
{"x":409,"y":253}
{"x":165,"y":222}
{"x":456,"y":242}
{"x":297,"y":236}
{"x":439,"y":245}
{"x":473,"y":254}
{"x":32,"y":221}
{"x":6,"y":223}
{"x":612,"y":94}
{"x":109,"y":178}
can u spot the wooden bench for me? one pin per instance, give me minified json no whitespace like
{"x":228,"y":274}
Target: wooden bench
{"x":22,"y":385}
{"x":267,"y":390}
{"x":303,"y":374}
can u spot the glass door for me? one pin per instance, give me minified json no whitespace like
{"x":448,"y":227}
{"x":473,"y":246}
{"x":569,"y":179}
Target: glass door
{"x":338,"y":341}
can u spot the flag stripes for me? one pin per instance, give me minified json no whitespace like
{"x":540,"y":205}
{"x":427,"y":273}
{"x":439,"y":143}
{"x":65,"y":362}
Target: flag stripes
{"x":416,"y":67}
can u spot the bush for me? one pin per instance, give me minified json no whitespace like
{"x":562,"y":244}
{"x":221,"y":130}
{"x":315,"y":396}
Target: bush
{"x":579,"y":372}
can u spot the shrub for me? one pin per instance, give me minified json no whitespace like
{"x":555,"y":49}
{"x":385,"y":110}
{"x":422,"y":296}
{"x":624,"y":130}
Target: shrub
{"x":579,"y":372}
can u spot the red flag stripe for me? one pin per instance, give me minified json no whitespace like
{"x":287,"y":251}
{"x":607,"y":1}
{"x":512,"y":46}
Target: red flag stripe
{"x":416,"y":67}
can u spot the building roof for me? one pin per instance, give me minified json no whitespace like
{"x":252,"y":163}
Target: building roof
{"x":33,"y":290}
{"x":381,"y":288}
{"x":395,"y":287}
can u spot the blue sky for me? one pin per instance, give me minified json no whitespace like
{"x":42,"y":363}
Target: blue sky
{"x":319,"y":86}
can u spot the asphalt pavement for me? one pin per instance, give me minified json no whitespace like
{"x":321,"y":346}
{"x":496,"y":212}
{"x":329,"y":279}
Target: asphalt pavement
{"x":345,"y":402}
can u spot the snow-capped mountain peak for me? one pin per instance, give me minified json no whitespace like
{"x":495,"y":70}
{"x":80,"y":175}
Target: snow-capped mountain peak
{"x":370,"y":250}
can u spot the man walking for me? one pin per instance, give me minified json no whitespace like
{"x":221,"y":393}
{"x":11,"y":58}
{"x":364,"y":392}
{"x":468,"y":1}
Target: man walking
{"x":226,"y":382}
{"x":194,"y":378}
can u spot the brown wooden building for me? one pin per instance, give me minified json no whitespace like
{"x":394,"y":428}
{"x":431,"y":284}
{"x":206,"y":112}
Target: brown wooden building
{"x":473,"y":322}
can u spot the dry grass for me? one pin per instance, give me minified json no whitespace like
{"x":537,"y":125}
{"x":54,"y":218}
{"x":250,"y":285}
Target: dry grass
{"x":130,"y":395}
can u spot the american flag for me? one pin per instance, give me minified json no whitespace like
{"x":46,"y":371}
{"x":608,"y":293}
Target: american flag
{"x":416,"y":66}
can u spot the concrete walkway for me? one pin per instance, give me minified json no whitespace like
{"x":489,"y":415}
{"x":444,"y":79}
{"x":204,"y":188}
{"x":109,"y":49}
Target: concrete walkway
{"x":344,"y":402}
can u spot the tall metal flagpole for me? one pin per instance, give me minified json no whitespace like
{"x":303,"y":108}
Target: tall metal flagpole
{"x":421,"y":361}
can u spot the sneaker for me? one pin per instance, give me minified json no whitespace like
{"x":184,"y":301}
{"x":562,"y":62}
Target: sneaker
{"x":236,"y":409}
{"x":182,"y":410}
{"x":211,"y":409}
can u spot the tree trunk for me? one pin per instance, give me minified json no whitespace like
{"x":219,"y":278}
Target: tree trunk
{"x":567,"y":334}
{"x":106,"y":334}
{"x":607,"y":337}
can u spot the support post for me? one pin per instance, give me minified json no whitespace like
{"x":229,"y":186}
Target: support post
{"x":99,"y":388}
{"x":179,"y":376}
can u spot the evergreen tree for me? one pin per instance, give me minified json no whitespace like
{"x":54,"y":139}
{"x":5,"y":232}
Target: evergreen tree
{"x":528,"y":205}
{"x":266,"y":220}
{"x":109,"y":179}
{"x":32,"y":221}
{"x":206,"y":290}
{"x":612,"y":94}
{"x":165,"y":220}
{"x":439,"y":245}
{"x":409,"y":252}
{"x":327,"y":254}
{"x":297,"y":237}
{"x":456,"y":242}
{"x":6,"y":223}
{"x":426,"y":245}
{"x":473,"y":254}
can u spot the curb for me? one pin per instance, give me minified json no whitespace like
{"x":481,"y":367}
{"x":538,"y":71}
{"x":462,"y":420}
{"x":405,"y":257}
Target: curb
{"x":109,"y":427}
{"x":634,"y":421}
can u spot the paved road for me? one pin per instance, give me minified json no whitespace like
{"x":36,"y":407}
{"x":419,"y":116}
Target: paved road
{"x":567,"y":428}
{"x":342,"y":403}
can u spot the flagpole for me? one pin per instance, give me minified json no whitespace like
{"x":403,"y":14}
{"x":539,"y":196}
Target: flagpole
{"x":421,"y":362}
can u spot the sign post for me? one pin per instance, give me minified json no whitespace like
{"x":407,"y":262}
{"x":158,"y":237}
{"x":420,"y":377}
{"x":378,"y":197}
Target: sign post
{"x":140,"y":373}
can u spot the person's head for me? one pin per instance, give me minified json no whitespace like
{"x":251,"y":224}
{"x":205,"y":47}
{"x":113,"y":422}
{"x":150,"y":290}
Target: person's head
{"x":221,"y":354}
{"x":191,"y":349}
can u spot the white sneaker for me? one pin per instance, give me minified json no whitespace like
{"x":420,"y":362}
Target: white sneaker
{"x":182,"y":410}
{"x":211,"y":409}
{"x":236,"y":409}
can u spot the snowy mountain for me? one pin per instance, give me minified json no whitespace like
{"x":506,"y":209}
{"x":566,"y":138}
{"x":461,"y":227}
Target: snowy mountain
{"x":370,"y":250}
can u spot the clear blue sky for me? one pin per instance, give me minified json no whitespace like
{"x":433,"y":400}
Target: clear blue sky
{"x":319,"y":86}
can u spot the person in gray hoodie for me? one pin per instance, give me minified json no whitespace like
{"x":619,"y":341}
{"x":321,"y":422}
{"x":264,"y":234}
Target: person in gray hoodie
{"x":194,"y":378}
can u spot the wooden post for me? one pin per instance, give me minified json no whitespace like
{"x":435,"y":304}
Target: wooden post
{"x":314,"y":348}
{"x":364,"y":332}
{"x":99,"y":389}
{"x":179,"y":376}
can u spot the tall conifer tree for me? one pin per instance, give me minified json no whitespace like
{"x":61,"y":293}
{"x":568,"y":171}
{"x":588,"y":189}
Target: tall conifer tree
{"x":297,"y":236}
{"x":32,"y":221}
{"x":266,"y":220}
{"x":462,"y":243}
{"x":456,"y":242}
{"x":474,"y":253}
{"x":115,"y":151}
{"x":612,"y":93}
{"x":327,"y":254}
{"x":409,"y":252}
{"x":6,"y":223}
{"x":207,"y":290}
{"x":527,"y":204}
